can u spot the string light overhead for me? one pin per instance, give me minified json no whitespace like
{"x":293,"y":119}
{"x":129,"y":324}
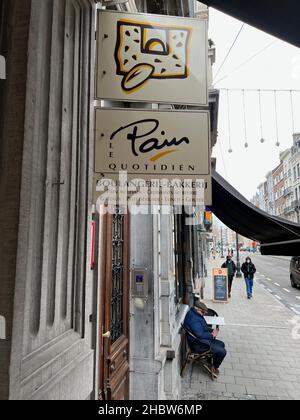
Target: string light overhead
{"x":273,"y":101}
{"x":262,"y":140}
{"x":229,"y":126}
{"x":292,"y":112}
{"x":245,"y":121}
{"x":276,"y":119}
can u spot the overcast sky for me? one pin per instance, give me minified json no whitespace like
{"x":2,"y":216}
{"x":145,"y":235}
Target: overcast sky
{"x":278,"y":67}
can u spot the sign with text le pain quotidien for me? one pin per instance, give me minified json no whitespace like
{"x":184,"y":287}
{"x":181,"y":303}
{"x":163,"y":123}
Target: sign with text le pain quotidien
{"x":150,"y":144}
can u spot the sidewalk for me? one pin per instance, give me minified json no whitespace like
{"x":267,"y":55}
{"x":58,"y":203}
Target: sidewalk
{"x":281,"y":257}
{"x":262,"y":359}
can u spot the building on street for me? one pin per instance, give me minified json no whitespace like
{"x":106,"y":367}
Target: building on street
{"x":74,"y":325}
{"x":269,"y":194}
{"x":255,"y":200}
{"x":262,"y":195}
{"x":295,"y":168}
{"x":278,"y":182}
{"x":285,"y":158}
{"x":91,"y":302}
{"x":280,"y":194}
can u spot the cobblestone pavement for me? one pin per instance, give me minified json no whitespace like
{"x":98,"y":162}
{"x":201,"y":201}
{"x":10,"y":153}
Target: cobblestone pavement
{"x":262,"y":359}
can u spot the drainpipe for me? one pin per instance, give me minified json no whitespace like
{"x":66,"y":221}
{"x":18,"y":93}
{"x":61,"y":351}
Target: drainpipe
{"x":238,"y":264}
{"x":222,"y":253}
{"x":191,"y":8}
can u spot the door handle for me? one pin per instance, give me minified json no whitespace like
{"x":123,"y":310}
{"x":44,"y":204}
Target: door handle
{"x":106,"y":335}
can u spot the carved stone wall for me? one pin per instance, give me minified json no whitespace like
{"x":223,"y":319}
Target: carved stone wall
{"x":50,"y":335}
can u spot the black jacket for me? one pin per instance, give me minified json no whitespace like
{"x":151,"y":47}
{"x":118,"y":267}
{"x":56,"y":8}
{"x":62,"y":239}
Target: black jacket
{"x":231,"y":267}
{"x":248,"y":270}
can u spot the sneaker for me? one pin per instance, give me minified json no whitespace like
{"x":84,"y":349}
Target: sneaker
{"x":248,"y":297}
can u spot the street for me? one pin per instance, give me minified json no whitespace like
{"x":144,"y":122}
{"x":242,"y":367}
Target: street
{"x":273,"y":274}
{"x":261,"y":337}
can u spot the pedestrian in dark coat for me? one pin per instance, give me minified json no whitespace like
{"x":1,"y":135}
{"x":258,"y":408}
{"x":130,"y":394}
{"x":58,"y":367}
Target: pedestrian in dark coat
{"x":248,"y":269}
{"x":231,"y":268}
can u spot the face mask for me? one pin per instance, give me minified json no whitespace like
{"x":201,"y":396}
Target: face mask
{"x":248,"y":261}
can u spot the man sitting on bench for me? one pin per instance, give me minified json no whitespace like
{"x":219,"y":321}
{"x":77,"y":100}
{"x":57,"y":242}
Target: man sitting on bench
{"x":196,"y":324}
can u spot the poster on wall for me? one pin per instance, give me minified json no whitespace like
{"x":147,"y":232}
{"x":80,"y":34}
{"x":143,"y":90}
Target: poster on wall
{"x":151,"y":145}
{"x":151,"y":58}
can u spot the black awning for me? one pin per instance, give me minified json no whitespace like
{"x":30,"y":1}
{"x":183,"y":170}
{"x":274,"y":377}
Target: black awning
{"x":280,"y":18}
{"x":277,"y":236}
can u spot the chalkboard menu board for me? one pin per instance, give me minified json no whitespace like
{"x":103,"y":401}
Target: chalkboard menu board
{"x":220,"y":285}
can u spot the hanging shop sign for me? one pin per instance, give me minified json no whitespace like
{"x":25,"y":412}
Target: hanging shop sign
{"x":151,"y":58}
{"x":151,"y":145}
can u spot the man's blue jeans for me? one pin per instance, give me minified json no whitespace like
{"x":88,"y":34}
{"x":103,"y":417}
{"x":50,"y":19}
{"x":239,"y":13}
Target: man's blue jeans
{"x":249,"y":286}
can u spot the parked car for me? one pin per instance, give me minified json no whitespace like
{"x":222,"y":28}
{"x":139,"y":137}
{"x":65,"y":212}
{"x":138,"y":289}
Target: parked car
{"x":295,"y":272}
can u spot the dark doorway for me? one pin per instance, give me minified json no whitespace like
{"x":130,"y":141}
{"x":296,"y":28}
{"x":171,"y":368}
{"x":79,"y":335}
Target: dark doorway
{"x":114,"y":309}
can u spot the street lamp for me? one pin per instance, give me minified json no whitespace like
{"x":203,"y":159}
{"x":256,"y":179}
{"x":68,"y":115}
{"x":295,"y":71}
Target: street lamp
{"x":222,"y":254}
{"x":238,"y":265}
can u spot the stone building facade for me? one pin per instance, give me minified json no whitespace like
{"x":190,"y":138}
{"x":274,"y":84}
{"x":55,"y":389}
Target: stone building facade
{"x":70,"y":329}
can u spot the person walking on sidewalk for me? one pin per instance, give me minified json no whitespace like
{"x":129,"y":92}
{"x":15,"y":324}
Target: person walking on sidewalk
{"x":231,"y":268}
{"x":194,"y":322}
{"x":248,"y":269}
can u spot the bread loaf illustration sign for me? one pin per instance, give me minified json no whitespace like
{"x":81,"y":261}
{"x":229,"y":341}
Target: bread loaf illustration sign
{"x":145,"y":52}
{"x":152,"y":58}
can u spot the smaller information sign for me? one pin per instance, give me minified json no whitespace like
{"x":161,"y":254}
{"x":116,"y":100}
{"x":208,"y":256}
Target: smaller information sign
{"x":220,"y":285}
